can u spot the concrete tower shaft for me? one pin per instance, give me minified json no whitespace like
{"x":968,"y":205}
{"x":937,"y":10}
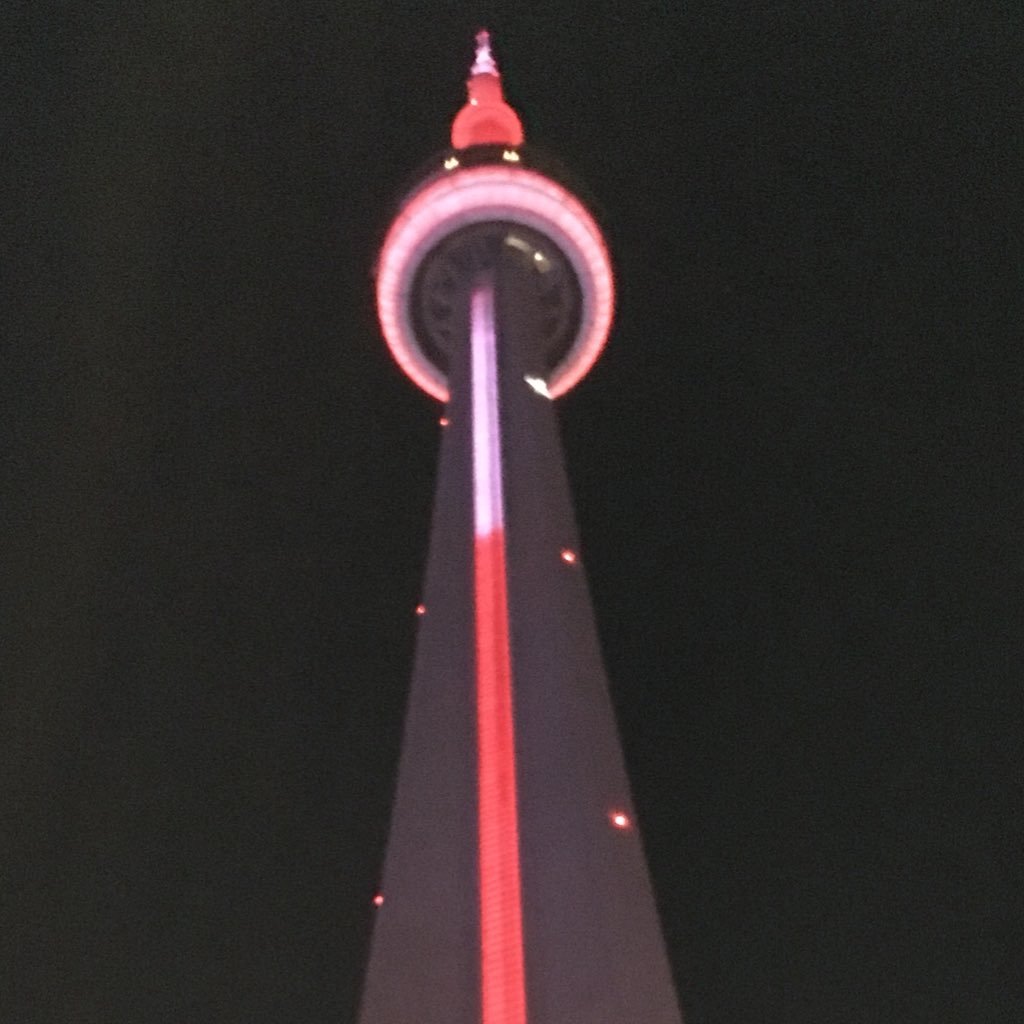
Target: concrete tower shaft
{"x":592,"y":946}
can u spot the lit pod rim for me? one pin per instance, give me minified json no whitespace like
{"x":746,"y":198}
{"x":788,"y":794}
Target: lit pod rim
{"x":476,"y":195}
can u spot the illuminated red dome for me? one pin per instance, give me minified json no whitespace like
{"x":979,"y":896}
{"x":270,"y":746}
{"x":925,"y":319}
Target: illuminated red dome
{"x":486,"y":119}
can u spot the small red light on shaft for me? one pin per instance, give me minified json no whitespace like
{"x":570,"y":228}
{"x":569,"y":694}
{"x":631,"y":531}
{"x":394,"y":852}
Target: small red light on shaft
{"x":619,"y":819}
{"x":568,"y":556}
{"x":378,"y":900}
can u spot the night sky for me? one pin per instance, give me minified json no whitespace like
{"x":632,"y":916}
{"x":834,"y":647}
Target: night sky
{"x":796,"y":468}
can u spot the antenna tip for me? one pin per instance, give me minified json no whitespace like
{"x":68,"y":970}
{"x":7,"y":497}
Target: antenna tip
{"x":484,"y":63}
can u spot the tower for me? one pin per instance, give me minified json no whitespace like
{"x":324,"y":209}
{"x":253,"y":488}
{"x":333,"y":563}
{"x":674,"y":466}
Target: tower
{"x":515,"y":889}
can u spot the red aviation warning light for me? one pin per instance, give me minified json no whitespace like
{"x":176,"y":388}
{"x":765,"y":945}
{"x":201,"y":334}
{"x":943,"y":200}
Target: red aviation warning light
{"x":486,"y":119}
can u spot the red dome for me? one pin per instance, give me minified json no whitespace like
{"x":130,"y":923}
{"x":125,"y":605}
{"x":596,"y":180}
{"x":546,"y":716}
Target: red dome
{"x":486,"y":119}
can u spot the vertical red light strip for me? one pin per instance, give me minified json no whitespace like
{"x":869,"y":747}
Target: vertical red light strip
{"x":503,"y":995}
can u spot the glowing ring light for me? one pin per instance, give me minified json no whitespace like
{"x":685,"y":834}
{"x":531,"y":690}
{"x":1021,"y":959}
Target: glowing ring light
{"x":477,"y":195}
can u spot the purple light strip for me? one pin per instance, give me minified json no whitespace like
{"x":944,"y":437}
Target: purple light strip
{"x":488,"y":507}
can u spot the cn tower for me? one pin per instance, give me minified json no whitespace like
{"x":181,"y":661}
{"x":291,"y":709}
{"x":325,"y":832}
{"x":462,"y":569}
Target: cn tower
{"x":515,"y":889}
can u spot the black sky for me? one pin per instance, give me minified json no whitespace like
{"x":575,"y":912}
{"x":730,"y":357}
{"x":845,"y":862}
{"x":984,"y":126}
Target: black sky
{"x":797,"y":474}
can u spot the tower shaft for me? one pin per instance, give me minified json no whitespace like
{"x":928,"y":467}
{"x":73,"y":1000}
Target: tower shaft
{"x":515,"y":885}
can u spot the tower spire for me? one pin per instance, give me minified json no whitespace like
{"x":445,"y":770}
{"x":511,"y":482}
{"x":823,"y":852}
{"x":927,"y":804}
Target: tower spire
{"x":486,"y":119}
{"x":484,"y":63}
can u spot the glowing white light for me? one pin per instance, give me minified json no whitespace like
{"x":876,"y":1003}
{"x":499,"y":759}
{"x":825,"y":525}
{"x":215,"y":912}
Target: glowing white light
{"x":487,"y":494}
{"x":378,"y":900}
{"x":539,"y":384}
{"x":479,"y":195}
{"x":421,"y":609}
{"x":511,"y":156}
{"x":619,"y":820}
{"x":568,"y":556}
{"x":444,"y":421}
{"x":451,"y":163}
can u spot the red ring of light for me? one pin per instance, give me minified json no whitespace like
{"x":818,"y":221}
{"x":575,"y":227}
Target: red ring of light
{"x":473,"y":196}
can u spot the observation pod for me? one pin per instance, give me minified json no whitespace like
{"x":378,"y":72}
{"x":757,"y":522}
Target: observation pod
{"x":483,"y":183}
{"x":515,"y":889}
